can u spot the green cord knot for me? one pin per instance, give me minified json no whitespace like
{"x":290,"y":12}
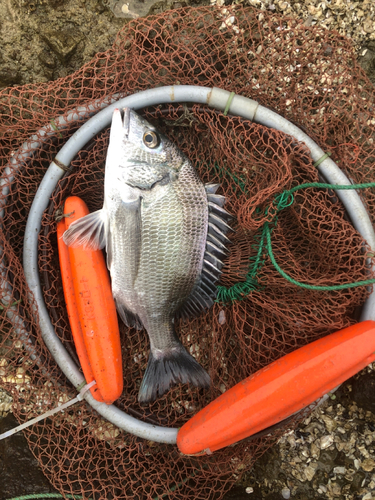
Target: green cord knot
{"x":284,"y":200}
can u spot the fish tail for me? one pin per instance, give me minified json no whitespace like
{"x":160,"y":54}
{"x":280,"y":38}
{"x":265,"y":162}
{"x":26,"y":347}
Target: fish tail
{"x":170,"y":367}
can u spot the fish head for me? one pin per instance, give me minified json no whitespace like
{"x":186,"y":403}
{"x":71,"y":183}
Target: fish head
{"x":138,"y":155}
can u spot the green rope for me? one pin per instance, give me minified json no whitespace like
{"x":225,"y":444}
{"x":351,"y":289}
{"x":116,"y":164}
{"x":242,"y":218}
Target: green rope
{"x":241,"y":289}
{"x":283,"y":200}
{"x":76,"y":497}
{"x":46,"y":495}
{"x":305,"y":285}
{"x":336,"y":187}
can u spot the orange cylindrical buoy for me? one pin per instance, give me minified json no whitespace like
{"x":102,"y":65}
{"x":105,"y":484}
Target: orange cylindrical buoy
{"x":279,"y":390}
{"x":91,"y":310}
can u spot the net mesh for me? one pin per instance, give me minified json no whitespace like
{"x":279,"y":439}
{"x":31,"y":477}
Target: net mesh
{"x":308,"y":75}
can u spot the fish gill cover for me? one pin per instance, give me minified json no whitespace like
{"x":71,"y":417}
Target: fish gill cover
{"x":307,"y":74}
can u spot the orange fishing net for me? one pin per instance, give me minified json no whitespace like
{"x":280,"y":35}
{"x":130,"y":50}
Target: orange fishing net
{"x":308,"y":75}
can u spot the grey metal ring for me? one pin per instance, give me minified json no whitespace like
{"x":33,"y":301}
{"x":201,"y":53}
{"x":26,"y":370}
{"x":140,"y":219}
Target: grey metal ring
{"x":217,"y":98}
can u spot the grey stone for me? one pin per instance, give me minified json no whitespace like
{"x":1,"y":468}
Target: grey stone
{"x":132,"y":9}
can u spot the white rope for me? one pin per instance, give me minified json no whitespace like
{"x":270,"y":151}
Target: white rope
{"x":79,"y":397}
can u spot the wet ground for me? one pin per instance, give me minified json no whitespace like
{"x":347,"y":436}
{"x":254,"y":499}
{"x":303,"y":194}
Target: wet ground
{"x":42,"y":40}
{"x":330,"y":455}
{"x":19,"y":470}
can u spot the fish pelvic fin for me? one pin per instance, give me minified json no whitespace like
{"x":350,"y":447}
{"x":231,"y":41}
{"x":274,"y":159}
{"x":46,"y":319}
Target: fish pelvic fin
{"x":130,"y":319}
{"x":168,"y":368}
{"x":88,"y":231}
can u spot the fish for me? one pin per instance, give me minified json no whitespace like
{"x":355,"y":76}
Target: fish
{"x":165,"y":235}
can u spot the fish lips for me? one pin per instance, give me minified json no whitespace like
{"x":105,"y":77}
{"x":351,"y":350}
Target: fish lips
{"x":130,"y":119}
{"x":119,"y":137}
{"x":126,"y":122}
{"x":120,"y":127}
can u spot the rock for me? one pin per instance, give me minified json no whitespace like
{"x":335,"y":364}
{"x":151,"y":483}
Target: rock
{"x":368,"y":465}
{"x":326,"y":441}
{"x":335,"y":490}
{"x":357,"y":481}
{"x":322,"y":488}
{"x":47,"y":58}
{"x":327,"y":460}
{"x":285,"y":493}
{"x":9,"y":75}
{"x":309,"y":472}
{"x":329,"y":423}
{"x":132,"y":9}
{"x":369,"y":26}
{"x":241,"y":493}
{"x":339,"y":470}
{"x":314,"y":450}
{"x":363,"y":391}
{"x":368,"y":496}
{"x":19,"y":470}
{"x":62,"y":42}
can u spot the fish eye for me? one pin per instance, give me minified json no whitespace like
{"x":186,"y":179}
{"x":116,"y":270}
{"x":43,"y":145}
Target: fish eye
{"x":151,"y":139}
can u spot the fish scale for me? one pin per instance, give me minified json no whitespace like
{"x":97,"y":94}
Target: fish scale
{"x":157,"y":222}
{"x":172,"y":255}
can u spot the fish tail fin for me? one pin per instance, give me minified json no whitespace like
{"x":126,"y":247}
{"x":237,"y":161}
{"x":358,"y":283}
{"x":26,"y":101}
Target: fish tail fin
{"x":170,"y":367}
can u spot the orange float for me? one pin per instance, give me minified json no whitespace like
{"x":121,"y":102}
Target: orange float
{"x":91,"y":310}
{"x":279,"y":390}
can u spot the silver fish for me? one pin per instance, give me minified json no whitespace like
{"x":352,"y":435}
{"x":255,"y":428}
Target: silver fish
{"x":164,"y":234}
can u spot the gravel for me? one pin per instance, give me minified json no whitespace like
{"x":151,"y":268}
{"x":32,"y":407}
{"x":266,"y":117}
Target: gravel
{"x":331,"y":455}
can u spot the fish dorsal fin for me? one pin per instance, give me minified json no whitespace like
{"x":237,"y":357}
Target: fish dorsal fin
{"x":205,"y":291}
{"x":217,"y":199}
{"x":218,"y":210}
{"x":88,"y":231}
{"x":211,"y":188}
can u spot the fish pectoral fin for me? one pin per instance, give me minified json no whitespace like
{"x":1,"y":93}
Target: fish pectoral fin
{"x":88,"y":231}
